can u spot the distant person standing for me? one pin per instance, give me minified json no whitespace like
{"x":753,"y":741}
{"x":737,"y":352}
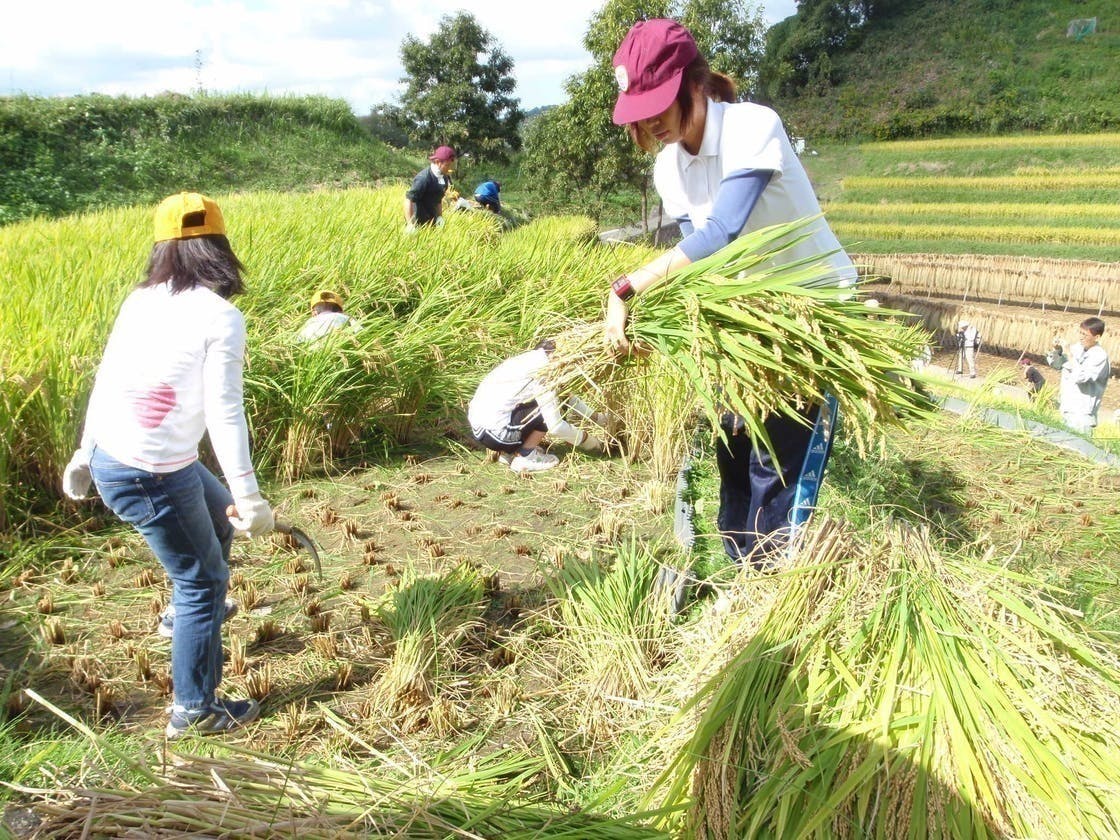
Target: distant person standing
{"x":968,"y":344}
{"x":1084,"y":378}
{"x":423,"y":203}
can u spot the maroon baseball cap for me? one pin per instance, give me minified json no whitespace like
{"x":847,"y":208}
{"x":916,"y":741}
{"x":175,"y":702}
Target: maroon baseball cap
{"x":442,"y":154}
{"x":648,"y":67}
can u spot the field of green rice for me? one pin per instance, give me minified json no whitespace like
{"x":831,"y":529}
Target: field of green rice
{"x":487,"y":654}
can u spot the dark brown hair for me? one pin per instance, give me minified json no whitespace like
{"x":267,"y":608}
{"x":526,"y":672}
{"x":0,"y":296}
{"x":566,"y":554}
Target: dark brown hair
{"x":196,"y":261}
{"x":1095,"y":326}
{"x":698,"y":75}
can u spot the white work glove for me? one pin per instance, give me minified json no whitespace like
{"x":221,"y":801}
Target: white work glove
{"x":76,"y":478}
{"x":251,"y":516}
{"x":410,"y":229}
{"x":592,"y":444}
{"x":600,"y":419}
{"x":440,"y":221}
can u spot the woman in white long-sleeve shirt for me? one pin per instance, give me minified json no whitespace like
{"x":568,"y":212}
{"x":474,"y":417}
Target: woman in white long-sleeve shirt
{"x":172,"y":371}
{"x":511,"y":411}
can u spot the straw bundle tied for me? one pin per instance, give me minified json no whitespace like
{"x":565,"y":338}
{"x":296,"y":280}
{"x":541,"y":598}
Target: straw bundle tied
{"x":892,"y":690}
{"x":759,"y":339}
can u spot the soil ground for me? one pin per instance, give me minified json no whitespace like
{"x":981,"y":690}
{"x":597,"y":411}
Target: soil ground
{"x":98,"y":601}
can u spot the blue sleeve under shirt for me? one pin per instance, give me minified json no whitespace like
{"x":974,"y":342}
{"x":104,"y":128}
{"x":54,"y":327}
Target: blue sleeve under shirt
{"x":738,"y":193}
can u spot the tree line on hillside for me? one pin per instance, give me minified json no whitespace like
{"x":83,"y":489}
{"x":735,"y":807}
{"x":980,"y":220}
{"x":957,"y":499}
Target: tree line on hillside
{"x":838,"y":68}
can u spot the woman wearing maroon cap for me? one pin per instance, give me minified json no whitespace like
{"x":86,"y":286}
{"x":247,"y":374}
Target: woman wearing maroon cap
{"x":423,"y":203}
{"x":725,"y":168}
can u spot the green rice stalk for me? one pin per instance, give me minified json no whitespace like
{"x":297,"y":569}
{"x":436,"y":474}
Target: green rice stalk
{"x":613,"y":632}
{"x":239,"y":792}
{"x":759,"y":339}
{"x":426,"y":617}
{"x":896,"y":691}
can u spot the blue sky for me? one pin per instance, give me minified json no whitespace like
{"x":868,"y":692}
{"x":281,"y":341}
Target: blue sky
{"x":343,"y":48}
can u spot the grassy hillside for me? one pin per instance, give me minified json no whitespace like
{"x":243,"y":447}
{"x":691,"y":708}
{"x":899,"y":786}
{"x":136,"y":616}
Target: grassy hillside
{"x":936,"y":67}
{"x":61,"y":156}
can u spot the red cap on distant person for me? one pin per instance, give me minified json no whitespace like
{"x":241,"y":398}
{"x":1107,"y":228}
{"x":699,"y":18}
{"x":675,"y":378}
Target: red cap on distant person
{"x":648,"y":67}
{"x":442,"y":154}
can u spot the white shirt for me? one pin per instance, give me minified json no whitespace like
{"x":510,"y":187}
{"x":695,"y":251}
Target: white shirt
{"x":325,"y":323}
{"x":514,"y":383}
{"x":172,"y":371}
{"x":1084,"y":379}
{"x":747,"y":136}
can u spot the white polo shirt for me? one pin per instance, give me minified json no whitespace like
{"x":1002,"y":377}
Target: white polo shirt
{"x":739,"y":136}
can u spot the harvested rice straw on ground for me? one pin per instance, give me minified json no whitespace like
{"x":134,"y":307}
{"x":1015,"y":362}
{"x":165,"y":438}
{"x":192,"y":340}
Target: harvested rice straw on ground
{"x":756,"y":339}
{"x":896,"y":690}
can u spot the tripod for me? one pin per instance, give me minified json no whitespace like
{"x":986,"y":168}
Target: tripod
{"x":960,"y":353}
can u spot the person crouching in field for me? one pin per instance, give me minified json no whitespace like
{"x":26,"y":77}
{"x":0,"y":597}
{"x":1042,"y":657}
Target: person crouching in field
{"x":511,"y":412}
{"x":172,"y":372}
{"x":1084,"y":378}
{"x":327,"y":316}
{"x":1032,"y":378}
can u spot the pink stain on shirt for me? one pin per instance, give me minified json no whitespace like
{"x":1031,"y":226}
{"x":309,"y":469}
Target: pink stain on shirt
{"x":154,"y":405}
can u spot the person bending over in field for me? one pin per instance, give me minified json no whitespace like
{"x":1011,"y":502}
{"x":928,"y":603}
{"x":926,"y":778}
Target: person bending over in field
{"x":171,"y":372}
{"x":1032,"y":377}
{"x":511,"y":412}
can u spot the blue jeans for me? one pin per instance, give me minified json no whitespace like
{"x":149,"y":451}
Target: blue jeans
{"x":182,"y":516}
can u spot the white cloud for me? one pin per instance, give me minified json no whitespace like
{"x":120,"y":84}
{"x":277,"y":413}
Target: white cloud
{"x":342,"y":48}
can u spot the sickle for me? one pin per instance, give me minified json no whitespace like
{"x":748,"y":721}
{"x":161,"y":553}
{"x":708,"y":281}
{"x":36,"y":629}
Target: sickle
{"x":304,"y":541}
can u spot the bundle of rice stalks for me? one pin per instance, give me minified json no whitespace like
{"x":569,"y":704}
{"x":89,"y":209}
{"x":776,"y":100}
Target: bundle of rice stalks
{"x":613,"y":631}
{"x":757,"y":338}
{"x":241,"y":793}
{"x":427,"y":618}
{"x":895,"y":691}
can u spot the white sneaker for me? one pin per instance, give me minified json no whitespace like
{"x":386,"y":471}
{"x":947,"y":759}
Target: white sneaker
{"x":535,"y":461}
{"x":507,"y":458}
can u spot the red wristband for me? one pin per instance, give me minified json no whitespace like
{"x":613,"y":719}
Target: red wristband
{"x":622,"y":288}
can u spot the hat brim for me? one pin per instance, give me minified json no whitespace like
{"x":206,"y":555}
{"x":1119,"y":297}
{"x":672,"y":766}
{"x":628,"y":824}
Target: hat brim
{"x":635,"y":107}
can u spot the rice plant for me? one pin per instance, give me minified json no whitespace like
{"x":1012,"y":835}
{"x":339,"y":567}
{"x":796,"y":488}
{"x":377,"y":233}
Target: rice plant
{"x":614,"y":631}
{"x":426,"y":617}
{"x":756,"y":339}
{"x":895,"y":690}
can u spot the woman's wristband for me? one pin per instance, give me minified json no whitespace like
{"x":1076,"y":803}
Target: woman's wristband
{"x":622,"y":288}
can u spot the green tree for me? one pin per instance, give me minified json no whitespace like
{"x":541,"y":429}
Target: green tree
{"x":799,"y":50}
{"x":387,"y":124}
{"x":459,"y":90}
{"x":581,"y":156}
